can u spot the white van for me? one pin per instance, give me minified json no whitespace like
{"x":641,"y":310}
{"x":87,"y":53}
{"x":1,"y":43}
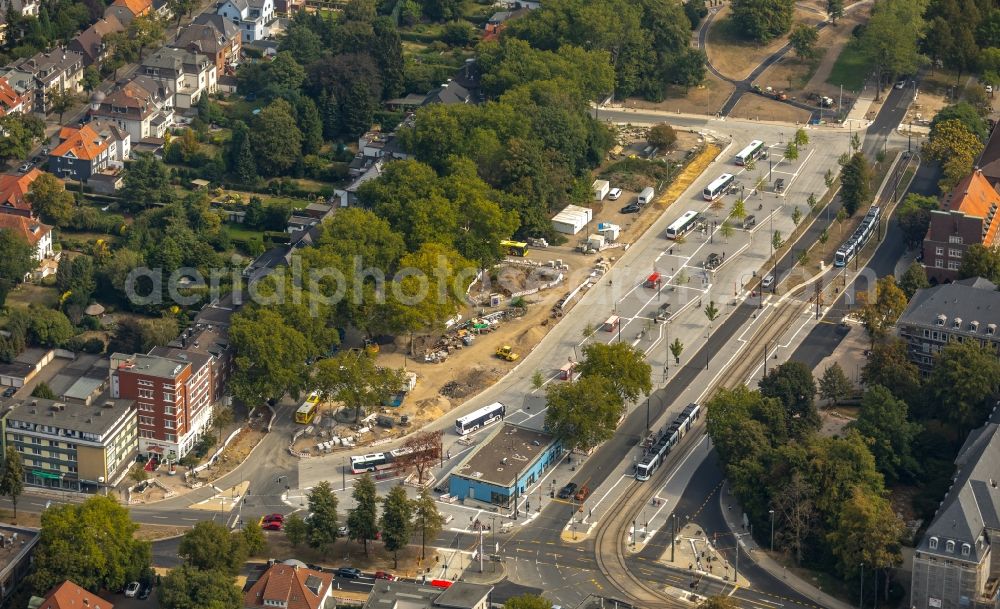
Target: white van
{"x":646,"y":196}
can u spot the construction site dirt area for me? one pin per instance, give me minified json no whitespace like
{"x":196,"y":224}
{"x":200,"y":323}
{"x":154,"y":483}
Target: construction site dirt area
{"x":734,"y":56}
{"x":937,"y":90}
{"x":520,"y":300}
{"x":706,"y":98}
{"x":756,"y":107}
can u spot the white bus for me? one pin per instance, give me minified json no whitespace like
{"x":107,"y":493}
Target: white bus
{"x":480,"y":418}
{"x":370,"y":463}
{"x":719,"y":187}
{"x":750,"y":153}
{"x":683,"y":224}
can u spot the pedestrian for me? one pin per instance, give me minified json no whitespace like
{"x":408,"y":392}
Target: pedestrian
{"x":449,"y":454}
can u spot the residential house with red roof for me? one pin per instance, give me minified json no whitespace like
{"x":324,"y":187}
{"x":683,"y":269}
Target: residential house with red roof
{"x":88,"y":150}
{"x":125,"y":11}
{"x":11,"y":100}
{"x":14,"y":190}
{"x":968,"y":216}
{"x":68,"y":595}
{"x":39,"y":236}
{"x":289,"y":586}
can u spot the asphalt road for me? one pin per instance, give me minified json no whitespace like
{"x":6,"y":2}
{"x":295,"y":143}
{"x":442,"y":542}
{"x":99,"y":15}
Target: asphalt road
{"x":825,"y":337}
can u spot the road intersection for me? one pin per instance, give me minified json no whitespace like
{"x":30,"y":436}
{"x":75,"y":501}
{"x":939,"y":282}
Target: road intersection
{"x":536,"y":552}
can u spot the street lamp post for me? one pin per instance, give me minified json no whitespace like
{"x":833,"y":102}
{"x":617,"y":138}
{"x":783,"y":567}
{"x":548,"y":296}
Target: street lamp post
{"x":772,"y":529}
{"x":673,"y":535}
{"x":343,"y":475}
{"x":861,"y":598}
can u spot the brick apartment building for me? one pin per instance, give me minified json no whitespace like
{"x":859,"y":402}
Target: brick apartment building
{"x":968,"y":216}
{"x":173,"y":399}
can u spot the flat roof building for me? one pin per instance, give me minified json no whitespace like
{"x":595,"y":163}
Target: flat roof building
{"x":404,"y":595}
{"x":16,"y":546}
{"x":501,"y":468}
{"x":71,"y":446}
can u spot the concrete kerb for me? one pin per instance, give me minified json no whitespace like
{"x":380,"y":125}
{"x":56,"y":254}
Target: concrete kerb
{"x":777,"y":571}
{"x":487,"y":577}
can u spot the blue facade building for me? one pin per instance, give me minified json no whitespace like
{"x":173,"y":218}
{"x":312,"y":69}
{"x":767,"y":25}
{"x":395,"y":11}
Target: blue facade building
{"x":510,"y":460}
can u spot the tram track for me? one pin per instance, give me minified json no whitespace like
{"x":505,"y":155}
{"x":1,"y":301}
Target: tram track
{"x":611,"y":531}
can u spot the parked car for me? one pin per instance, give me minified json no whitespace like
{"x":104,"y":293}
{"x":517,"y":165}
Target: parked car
{"x":10,"y":391}
{"x":132,"y":589}
{"x":384,"y":575}
{"x":631,"y":208}
{"x":274,"y":518}
{"x":348,"y":572}
{"x":989,"y":89}
{"x":567,"y":491}
{"x":749,"y":222}
{"x":779,"y":185}
{"x":583,"y":493}
{"x":274,"y":525}
{"x":145,"y":591}
{"x":614,"y":194}
{"x":767,"y":282}
{"x":25,"y":168}
{"x":343,"y":531}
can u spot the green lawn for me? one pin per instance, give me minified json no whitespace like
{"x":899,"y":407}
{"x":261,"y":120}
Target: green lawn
{"x":851,"y":68}
{"x":238,"y":231}
{"x":28,"y":293}
{"x":295,"y":203}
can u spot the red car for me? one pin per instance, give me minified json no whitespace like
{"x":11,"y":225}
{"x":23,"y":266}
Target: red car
{"x":274,"y":518}
{"x":385,"y":576}
{"x":274,"y":525}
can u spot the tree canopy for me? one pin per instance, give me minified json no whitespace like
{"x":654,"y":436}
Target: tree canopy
{"x":793,"y":385}
{"x":856,"y":183}
{"x":91,"y":543}
{"x":981,"y":261}
{"x":187,"y":587}
{"x":891,"y":36}
{"x":965,"y":375}
{"x":884,"y":421}
{"x":621,"y":364}
{"x":210,"y":546}
{"x":362,"y":521}
{"x":763,"y":20}
{"x":955,"y":147}
{"x":583,"y":413}
{"x":647,"y":42}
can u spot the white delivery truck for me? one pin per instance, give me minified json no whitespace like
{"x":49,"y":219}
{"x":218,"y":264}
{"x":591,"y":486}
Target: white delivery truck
{"x":646,"y":196}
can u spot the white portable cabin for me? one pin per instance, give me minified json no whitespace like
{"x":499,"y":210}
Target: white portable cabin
{"x":595,"y":242}
{"x":610,"y":232}
{"x":572,"y":219}
{"x":600,"y":189}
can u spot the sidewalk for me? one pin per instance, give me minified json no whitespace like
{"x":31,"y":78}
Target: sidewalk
{"x":765,"y":562}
